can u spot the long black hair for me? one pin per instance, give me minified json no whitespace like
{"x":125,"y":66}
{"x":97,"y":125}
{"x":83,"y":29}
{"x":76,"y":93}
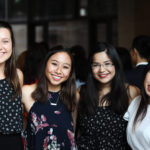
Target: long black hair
{"x":67,"y":95}
{"x":142,"y":109}
{"x":117,"y":98}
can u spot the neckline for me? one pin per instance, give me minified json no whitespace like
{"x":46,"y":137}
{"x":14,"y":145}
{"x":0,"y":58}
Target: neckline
{"x":53,"y":92}
{"x":3,"y":79}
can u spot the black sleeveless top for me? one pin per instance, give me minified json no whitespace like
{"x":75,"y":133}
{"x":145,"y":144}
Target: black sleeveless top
{"x":50,"y":127}
{"x":11,"y":117}
{"x":104,"y":130}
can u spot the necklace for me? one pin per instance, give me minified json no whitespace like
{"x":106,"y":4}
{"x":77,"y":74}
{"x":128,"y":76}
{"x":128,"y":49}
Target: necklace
{"x":50,"y":97}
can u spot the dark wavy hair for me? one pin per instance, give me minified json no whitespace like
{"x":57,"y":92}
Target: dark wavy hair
{"x":142,"y":109}
{"x":10,"y":70}
{"x":142,"y":44}
{"x":117,"y":98}
{"x":67,"y":95}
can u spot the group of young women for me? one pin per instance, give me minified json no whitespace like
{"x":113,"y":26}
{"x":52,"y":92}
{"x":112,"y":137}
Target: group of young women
{"x":104,"y":114}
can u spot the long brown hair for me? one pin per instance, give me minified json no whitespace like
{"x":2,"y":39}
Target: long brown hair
{"x":67,"y":95}
{"x":10,"y":70}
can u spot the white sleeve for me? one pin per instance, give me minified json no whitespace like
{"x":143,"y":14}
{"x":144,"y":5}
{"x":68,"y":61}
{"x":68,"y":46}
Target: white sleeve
{"x":132,"y":107}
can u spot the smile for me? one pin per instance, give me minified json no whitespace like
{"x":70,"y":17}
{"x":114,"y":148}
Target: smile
{"x":148,"y":88}
{"x":56,"y":77}
{"x":103,"y":75}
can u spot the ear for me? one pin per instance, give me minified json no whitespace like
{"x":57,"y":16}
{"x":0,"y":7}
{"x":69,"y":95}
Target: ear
{"x":135,"y":52}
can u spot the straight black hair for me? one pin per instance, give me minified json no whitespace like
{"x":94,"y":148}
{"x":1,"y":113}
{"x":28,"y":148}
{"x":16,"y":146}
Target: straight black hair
{"x":117,"y":98}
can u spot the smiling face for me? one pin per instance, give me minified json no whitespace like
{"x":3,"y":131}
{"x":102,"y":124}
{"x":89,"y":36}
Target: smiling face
{"x":5,"y":45}
{"x":147,"y":83}
{"x":58,"y":69}
{"x":103,"y":68}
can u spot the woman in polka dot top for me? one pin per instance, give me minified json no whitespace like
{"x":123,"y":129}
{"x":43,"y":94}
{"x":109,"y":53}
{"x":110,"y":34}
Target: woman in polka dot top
{"x":102,"y":103}
{"x":11,"y":80}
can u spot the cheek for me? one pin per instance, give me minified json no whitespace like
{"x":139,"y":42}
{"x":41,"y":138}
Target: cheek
{"x":49,"y":68}
{"x":114,"y":72}
{"x":9,"y":47}
{"x":67,"y":74}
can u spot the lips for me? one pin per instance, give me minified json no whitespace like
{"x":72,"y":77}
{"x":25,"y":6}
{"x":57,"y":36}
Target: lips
{"x":103,"y":75}
{"x":56,"y":78}
{"x":1,"y":54}
{"x":148,"y":88}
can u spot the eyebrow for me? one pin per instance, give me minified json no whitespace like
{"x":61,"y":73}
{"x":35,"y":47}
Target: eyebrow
{"x":103,"y":62}
{"x":6,"y":38}
{"x":63,"y":63}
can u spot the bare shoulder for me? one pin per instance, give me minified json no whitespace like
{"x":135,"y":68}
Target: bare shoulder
{"x":20,"y":75}
{"x":133,"y":92}
{"x":78,"y":94}
{"x":28,"y":89}
{"x":27,"y":99}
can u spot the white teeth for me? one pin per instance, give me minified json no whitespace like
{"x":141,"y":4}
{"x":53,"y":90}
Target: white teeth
{"x":56,"y":77}
{"x":102,"y":75}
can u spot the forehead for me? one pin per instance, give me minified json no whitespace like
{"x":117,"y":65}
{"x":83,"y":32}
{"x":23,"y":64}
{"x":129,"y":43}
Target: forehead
{"x":101,"y":57}
{"x":62,"y":57}
{"x":4,"y":33}
{"x":148,"y":74}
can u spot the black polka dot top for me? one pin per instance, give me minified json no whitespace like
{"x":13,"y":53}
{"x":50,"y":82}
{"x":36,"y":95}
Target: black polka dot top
{"x":11,"y":120}
{"x":104,"y":130}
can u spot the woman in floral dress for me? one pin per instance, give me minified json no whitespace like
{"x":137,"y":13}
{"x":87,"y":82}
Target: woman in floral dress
{"x":50,"y":104}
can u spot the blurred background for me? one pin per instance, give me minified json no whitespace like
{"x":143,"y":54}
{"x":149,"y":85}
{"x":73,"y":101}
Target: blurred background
{"x":76,"y":22}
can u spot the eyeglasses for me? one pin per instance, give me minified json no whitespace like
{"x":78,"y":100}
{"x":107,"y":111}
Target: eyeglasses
{"x":104,"y":65}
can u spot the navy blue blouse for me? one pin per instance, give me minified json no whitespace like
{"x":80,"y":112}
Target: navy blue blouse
{"x":50,"y":127}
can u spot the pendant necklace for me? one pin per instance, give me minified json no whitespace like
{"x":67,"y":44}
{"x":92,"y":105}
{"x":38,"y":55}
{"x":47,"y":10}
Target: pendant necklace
{"x":52,"y":103}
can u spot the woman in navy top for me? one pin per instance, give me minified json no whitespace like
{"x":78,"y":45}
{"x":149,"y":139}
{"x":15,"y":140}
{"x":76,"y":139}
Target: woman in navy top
{"x":50,"y":104}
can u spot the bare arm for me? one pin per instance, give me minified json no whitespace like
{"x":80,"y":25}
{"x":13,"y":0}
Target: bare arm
{"x":133,"y":92}
{"x":21,"y":78}
{"x":27,"y":99}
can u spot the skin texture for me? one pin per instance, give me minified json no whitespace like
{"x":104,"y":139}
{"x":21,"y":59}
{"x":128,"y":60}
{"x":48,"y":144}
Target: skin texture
{"x":147,"y":84}
{"x":5,"y":52}
{"x":105,"y":71}
{"x":5,"y":48}
{"x":57,"y":71}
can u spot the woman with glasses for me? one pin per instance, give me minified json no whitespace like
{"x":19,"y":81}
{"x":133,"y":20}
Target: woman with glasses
{"x":103,"y":102}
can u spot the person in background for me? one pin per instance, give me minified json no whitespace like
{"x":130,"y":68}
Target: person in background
{"x":32,"y":62}
{"x":102,"y":102}
{"x":140,"y":54}
{"x":50,"y":103}
{"x":125,"y":58}
{"x":21,"y":60}
{"x":138,"y":117}
{"x":11,"y":80}
{"x":78,"y":53}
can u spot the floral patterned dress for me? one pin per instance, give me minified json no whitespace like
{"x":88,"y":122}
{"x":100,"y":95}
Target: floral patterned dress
{"x":50,"y":127}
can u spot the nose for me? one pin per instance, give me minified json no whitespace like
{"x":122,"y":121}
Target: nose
{"x":58,"y":70}
{"x":101,"y":68}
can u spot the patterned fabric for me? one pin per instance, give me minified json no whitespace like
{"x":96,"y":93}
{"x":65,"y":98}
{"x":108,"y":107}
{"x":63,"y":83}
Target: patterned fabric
{"x":11,"y":120}
{"x":50,"y":127}
{"x":103,"y":131}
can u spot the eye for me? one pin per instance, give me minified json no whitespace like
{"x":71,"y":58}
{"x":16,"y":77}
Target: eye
{"x":54,"y":64}
{"x":95,"y":65}
{"x":107,"y":64}
{"x":66,"y":67}
{"x":5,"y":41}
